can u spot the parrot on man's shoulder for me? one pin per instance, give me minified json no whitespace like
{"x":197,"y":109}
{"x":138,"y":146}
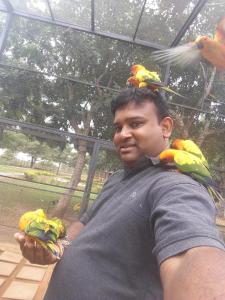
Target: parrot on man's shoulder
{"x":191,"y":147}
{"x":188,"y":159}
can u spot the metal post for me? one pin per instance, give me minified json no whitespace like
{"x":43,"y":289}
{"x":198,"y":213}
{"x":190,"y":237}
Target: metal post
{"x":92,"y":15}
{"x":139,"y":20}
{"x":188,"y":22}
{"x":50,"y":10}
{"x":5,"y":32}
{"x":8,"y":5}
{"x":91,"y":173}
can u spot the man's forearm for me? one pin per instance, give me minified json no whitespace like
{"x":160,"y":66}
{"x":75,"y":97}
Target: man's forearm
{"x":199,"y":275}
{"x":74,"y":229}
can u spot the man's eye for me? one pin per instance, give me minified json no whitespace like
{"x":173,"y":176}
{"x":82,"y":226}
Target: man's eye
{"x":117,"y":128}
{"x":136,"y":124}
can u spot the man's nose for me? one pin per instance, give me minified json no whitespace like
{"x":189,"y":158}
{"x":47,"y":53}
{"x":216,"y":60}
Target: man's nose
{"x":125,"y":132}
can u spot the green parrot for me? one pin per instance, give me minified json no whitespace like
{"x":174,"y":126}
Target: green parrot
{"x":193,"y":165}
{"x":45,"y":231}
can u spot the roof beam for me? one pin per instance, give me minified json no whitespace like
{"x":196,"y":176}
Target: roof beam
{"x":50,"y":10}
{"x":93,"y":15}
{"x":52,"y":133}
{"x":139,"y":20}
{"x":114,"y":36}
{"x":188,"y":22}
{"x":5,"y":33}
{"x":104,"y":87}
{"x":8,"y":5}
{"x":182,"y":32}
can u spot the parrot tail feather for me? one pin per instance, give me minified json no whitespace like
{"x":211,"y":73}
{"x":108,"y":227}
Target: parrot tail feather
{"x":169,"y":90}
{"x":182,"y":55}
{"x":217,"y":197}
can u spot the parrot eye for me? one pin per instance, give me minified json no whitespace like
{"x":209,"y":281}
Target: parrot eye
{"x":200,"y":45}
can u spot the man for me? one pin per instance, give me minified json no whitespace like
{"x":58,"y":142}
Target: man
{"x":150,"y":235}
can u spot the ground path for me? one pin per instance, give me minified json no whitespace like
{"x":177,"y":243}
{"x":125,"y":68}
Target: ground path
{"x":19,"y":280}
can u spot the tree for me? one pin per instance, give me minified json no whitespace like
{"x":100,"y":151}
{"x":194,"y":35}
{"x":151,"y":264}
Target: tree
{"x":69,"y":105}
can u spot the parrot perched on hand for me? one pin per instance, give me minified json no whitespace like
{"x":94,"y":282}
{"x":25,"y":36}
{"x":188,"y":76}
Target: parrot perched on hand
{"x":188,"y":159}
{"x":204,"y":47}
{"x":141,"y":77}
{"x":45,"y":231}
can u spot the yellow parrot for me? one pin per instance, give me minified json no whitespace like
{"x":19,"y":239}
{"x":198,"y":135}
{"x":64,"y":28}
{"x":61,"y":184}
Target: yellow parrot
{"x":191,"y":147}
{"x":187,"y":158}
{"x":204,"y":47}
{"x":141,"y":77}
{"x":45,"y":231}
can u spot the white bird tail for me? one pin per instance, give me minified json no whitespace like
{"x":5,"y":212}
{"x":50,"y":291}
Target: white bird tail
{"x":182,"y":55}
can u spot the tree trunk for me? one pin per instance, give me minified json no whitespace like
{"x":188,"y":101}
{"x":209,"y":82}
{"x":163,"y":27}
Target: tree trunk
{"x":64,"y":201}
{"x":57,"y":172}
{"x":32,"y":162}
{"x":207,"y":90}
{"x":204,"y":133}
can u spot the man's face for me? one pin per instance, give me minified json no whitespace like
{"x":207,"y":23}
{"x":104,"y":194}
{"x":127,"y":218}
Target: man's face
{"x":138,"y":132}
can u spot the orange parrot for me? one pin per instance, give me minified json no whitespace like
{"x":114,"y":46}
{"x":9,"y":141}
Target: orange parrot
{"x":204,"y":47}
{"x":141,"y":77}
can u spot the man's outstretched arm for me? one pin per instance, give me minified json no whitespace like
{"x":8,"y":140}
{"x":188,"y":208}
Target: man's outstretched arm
{"x":197,"y":274}
{"x":36,"y":254}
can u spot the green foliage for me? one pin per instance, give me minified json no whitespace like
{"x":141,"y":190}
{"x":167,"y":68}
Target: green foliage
{"x":65,"y":104}
{"x":32,"y":175}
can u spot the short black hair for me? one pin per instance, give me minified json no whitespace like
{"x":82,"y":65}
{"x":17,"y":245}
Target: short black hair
{"x":138,"y":95}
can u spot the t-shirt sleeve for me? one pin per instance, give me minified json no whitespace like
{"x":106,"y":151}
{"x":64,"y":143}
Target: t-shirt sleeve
{"x":183,"y":217}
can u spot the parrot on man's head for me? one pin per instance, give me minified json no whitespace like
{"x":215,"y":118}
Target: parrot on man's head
{"x":141,"y":77}
{"x":188,"y":159}
{"x":204,"y":47}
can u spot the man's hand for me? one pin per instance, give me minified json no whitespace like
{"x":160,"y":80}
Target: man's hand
{"x":33,"y":251}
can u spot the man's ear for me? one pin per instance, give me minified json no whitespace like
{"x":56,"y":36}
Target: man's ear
{"x":167,"y":127}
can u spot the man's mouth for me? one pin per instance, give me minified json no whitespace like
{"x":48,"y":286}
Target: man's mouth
{"x":126,"y":148}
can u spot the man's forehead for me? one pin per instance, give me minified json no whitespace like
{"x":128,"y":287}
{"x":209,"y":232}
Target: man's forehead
{"x":136,"y":110}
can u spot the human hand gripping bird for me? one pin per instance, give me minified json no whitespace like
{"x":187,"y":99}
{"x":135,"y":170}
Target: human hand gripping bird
{"x":141,"y":77}
{"x":204,"y":47}
{"x":49,"y":233}
{"x":187,"y":157}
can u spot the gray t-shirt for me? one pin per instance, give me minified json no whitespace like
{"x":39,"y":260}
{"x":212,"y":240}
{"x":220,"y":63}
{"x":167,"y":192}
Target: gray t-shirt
{"x":141,"y":217}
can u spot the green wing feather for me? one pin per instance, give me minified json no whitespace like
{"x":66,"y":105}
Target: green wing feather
{"x":162,"y":86}
{"x":189,"y":163}
{"x":192,"y":148}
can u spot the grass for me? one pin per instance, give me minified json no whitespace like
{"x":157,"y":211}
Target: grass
{"x":17,"y":194}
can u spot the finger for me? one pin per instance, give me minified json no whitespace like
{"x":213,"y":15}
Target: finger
{"x":20,"y":237}
{"x":30,"y":242}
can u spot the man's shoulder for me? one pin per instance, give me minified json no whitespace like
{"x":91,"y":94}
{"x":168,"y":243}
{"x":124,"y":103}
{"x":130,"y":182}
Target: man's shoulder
{"x":172,"y":178}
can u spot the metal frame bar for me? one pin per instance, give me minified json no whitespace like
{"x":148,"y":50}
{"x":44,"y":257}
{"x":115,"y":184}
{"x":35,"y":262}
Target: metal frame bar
{"x":54,"y":134}
{"x":59,"y":76}
{"x":113,"y":36}
{"x":92,"y":15}
{"x":90,"y":178}
{"x":104,"y":87}
{"x":139,"y":20}
{"x":8,"y":5}
{"x":198,"y":7}
{"x":50,"y":10}
{"x":46,"y":184}
{"x":188,"y":22}
{"x":5,"y":33}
